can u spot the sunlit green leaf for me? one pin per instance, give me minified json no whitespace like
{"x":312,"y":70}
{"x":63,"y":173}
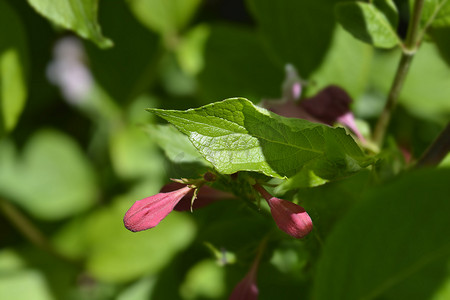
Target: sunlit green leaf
{"x":391,"y":243}
{"x":374,"y":23}
{"x":77,"y":15}
{"x":13,"y":88}
{"x":234,"y":135}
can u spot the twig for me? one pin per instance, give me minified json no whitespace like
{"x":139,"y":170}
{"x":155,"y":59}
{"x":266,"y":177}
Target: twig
{"x":29,"y":230}
{"x":409,"y":49}
{"x":437,"y":150}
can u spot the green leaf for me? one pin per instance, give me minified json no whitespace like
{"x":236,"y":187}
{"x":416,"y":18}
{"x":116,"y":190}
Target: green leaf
{"x":442,"y":18}
{"x":304,"y":178}
{"x":17,"y":282}
{"x":164,"y":17}
{"x":435,"y":13}
{"x":175,"y":145}
{"x":79,"y":16}
{"x":440,"y":38}
{"x":290,"y":29}
{"x":52,"y":179}
{"x":25,"y":284}
{"x":190,"y":51}
{"x":393,"y":244}
{"x":134,"y":155}
{"x":374,"y":23}
{"x":122,"y":71}
{"x":204,"y":280}
{"x":13,"y":88}
{"x":234,"y":135}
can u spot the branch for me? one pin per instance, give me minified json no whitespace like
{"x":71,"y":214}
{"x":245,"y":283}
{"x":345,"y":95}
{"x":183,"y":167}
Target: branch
{"x":409,"y":49}
{"x":437,"y":151}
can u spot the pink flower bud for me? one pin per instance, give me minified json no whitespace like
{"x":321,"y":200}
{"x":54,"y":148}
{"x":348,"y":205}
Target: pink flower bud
{"x":290,"y":217}
{"x":147,"y":213}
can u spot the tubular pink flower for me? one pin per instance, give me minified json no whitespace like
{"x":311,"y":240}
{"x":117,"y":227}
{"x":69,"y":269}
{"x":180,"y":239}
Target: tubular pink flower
{"x":148,"y":212}
{"x":289,"y":217}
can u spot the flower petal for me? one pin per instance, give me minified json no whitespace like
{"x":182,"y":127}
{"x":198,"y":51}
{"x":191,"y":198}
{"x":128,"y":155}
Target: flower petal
{"x":147,"y":213}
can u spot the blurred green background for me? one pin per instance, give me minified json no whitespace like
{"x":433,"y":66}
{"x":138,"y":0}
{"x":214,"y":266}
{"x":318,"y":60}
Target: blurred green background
{"x":77,"y":147}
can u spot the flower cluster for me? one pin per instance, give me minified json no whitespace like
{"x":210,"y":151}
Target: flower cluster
{"x":148,"y":212}
{"x":180,"y":195}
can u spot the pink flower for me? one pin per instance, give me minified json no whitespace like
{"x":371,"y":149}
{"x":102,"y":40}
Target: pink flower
{"x":147,"y":213}
{"x":289,"y":217}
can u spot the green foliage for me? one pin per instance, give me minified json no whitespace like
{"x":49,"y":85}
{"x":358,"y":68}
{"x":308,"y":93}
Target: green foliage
{"x":428,"y":79}
{"x":286,"y":29}
{"x":234,"y":135}
{"x":400,"y":240}
{"x":374,"y":23}
{"x":227,"y":64}
{"x":347,"y":64}
{"x":167,"y":17}
{"x":76,"y":15}
{"x":77,"y":148}
{"x":436,"y":13}
{"x":13,"y":68}
{"x":52,"y":179}
{"x":122,"y":71}
{"x":436,"y":16}
{"x":175,"y":145}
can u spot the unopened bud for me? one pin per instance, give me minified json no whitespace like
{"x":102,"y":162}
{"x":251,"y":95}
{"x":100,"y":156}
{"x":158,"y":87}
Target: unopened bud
{"x":147,"y":213}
